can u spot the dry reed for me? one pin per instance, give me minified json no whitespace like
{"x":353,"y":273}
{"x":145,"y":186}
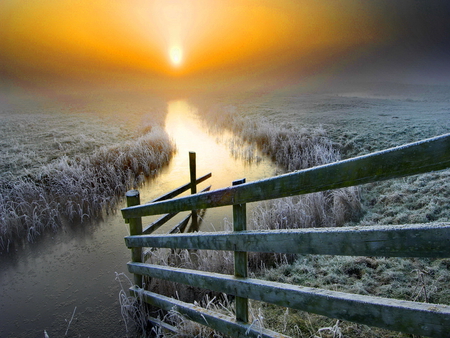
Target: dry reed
{"x":292,"y":149}
{"x":78,"y":188}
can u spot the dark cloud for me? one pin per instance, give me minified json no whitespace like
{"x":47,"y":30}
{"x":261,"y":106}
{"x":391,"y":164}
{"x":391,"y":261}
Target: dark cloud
{"x":416,"y":46}
{"x":423,"y":26}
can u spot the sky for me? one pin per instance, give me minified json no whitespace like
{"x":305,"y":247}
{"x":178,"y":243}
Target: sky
{"x":201,"y":43}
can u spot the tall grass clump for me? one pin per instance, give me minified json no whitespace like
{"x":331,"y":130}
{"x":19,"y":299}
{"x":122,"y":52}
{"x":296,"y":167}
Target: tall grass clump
{"x":291,"y":149}
{"x":78,"y":188}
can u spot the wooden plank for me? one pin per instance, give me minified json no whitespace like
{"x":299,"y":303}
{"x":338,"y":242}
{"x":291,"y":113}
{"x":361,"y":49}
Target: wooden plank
{"x":180,"y":226}
{"x":133,"y":198}
{"x":193,"y":171}
{"x":165,"y":326}
{"x":431,"y":320}
{"x":215,"y":320}
{"x":162,"y":220}
{"x":158,"y":223}
{"x":415,"y":240}
{"x":241,"y":256}
{"x":410,"y":159}
{"x":181,"y":189}
{"x":193,"y":175}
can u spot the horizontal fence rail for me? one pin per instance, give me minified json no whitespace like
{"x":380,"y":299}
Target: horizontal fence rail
{"x":406,"y":316}
{"x":393,"y":241}
{"x":180,"y":190}
{"x":411,"y":159}
{"x":412,"y":240}
{"x":164,"y":219}
{"x":222,"y":323}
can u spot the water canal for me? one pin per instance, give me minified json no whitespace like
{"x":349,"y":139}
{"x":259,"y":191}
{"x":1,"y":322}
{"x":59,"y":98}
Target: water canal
{"x":69,"y":277}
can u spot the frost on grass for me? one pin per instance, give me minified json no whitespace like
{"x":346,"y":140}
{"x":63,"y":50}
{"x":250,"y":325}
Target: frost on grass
{"x":78,"y":188}
{"x":292,"y":148}
{"x":421,"y":280}
{"x":416,"y":199}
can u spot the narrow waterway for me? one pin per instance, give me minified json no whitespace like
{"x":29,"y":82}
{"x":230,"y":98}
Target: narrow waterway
{"x":66,"y":283}
{"x":213,"y":156}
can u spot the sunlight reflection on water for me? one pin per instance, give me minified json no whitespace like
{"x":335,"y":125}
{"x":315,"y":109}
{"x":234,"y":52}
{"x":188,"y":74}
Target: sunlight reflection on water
{"x":184,"y":126}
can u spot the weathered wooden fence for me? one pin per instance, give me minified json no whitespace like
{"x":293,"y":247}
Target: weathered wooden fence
{"x":392,"y":241}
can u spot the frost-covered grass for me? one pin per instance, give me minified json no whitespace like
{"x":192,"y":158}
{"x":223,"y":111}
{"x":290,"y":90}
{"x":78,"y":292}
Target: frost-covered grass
{"x":416,"y":199}
{"x":422,"y":280}
{"x":292,"y":149}
{"x":78,"y":188}
{"x":361,"y":119}
{"x":31,"y":140}
{"x":72,"y":162}
{"x":35,"y":131}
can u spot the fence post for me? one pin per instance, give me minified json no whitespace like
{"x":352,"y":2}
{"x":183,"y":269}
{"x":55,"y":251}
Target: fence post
{"x":240,"y":257}
{"x":193,"y":175}
{"x":135,"y":229}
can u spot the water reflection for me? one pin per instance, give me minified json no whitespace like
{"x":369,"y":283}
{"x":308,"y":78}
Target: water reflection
{"x":41,"y":285}
{"x":184,"y":126}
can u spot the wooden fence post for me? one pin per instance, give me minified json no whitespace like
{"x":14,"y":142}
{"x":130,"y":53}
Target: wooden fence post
{"x":193,"y":175}
{"x":240,"y":257}
{"x":135,"y":229}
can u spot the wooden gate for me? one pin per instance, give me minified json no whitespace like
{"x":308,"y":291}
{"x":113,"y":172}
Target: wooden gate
{"x":429,"y":240}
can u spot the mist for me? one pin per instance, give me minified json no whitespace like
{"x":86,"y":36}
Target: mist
{"x":56,"y":50}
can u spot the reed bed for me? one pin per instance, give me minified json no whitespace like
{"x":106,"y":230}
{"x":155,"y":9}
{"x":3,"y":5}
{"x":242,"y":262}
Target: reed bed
{"x":292,"y":149}
{"x":79,"y":188}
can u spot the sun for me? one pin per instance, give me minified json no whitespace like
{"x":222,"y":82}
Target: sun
{"x":176,"y":55}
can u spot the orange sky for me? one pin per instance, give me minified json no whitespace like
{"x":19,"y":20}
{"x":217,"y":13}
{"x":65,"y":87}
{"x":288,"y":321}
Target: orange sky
{"x":106,"y":39}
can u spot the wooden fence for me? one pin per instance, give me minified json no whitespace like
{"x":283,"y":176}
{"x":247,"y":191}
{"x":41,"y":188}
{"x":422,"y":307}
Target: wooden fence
{"x":431,"y":240}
